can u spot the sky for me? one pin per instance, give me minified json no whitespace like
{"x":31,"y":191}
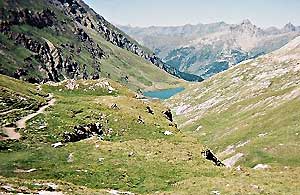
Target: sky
{"x":263,"y":13}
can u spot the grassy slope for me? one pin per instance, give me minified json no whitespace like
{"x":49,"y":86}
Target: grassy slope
{"x":257,"y":102}
{"x":142,"y":74}
{"x":159,"y":164}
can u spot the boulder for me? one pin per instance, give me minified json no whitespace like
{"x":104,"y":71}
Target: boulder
{"x":261,"y":167}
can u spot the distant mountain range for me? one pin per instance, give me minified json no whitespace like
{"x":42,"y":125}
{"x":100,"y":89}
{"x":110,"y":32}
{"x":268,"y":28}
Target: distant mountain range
{"x":206,"y":49}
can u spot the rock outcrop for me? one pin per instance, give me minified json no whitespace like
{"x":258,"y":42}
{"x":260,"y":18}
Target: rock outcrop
{"x":41,"y":19}
{"x":53,"y":63}
{"x":81,"y":14}
{"x":83,"y":131}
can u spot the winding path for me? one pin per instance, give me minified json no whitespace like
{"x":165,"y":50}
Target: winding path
{"x":21,"y":124}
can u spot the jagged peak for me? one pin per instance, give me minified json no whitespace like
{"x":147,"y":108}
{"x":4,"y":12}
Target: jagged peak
{"x":289,"y":27}
{"x":246,"y":22}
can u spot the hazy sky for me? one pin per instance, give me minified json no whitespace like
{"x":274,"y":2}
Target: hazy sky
{"x":263,"y":13}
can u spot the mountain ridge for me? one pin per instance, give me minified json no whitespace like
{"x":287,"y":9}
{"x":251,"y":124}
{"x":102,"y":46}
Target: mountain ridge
{"x":241,"y":110}
{"x":206,"y":49}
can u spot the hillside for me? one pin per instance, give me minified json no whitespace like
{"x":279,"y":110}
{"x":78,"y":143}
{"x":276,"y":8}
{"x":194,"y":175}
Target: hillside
{"x":55,"y":40}
{"x":250,"y":110}
{"x":74,"y":119}
{"x":206,"y":49}
{"x":98,"y":138}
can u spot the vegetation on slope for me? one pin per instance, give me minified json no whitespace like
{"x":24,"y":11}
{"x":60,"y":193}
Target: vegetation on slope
{"x":131,"y":155}
{"x":68,"y":49}
{"x":249,"y":109}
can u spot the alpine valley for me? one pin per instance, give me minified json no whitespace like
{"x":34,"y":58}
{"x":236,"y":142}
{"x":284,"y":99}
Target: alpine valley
{"x":87,"y":109}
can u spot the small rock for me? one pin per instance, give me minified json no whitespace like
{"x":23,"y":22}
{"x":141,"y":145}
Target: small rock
{"x":30,"y":170}
{"x":56,"y":145}
{"x":261,"y":167}
{"x":70,"y":158}
{"x":116,"y":192}
{"x":139,"y":96}
{"x":8,"y":188}
{"x":52,"y":186}
{"x":24,"y":171}
{"x":262,"y":134}
{"x":140,"y":120}
{"x":71,"y":84}
{"x":130,"y":154}
{"x":100,"y":159}
{"x":149,"y":110}
{"x":239,"y":168}
{"x":43,"y":192}
{"x":198,"y":128}
{"x":115,"y":106}
{"x":215,"y":192}
{"x":254,"y":186}
{"x":168,"y":133}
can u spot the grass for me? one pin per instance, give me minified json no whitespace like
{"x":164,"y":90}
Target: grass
{"x":245,"y":111}
{"x":133,"y":157}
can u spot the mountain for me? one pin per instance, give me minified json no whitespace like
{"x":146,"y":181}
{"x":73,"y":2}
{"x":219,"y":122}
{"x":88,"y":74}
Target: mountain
{"x":250,"y":110}
{"x":73,"y":123}
{"x":97,"y":138}
{"x":206,"y":49}
{"x":55,"y":40}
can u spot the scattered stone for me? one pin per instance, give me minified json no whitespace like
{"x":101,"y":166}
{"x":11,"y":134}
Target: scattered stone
{"x":115,"y":106}
{"x":71,"y":84}
{"x":24,"y":171}
{"x":42,"y":127}
{"x":70,"y":158}
{"x":140,"y":96}
{"x":56,"y":145}
{"x":140,"y":120}
{"x":229,"y":162}
{"x":168,"y":115}
{"x":149,"y":110}
{"x":210,"y":156}
{"x":261,"y":167}
{"x":100,"y":159}
{"x":215,"y":192}
{"x":198,"y":128}
{"x":43,"y":192}
{"x":8,"y":188}
{"x":116,"y":192}
{"x":83,"y":132}
{"x":168,"y":133}
{"x":254,"y":186}
{"x":130,"y":154}
{"x":262,"y":134}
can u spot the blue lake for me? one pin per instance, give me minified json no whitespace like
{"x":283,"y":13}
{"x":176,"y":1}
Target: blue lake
{"x":163,"y":94}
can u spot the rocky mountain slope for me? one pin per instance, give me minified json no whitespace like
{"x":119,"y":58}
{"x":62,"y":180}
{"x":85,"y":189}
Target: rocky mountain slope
{"x":52,"y":40}
{"x":206,"y":49}
{"x":250,"y":110}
